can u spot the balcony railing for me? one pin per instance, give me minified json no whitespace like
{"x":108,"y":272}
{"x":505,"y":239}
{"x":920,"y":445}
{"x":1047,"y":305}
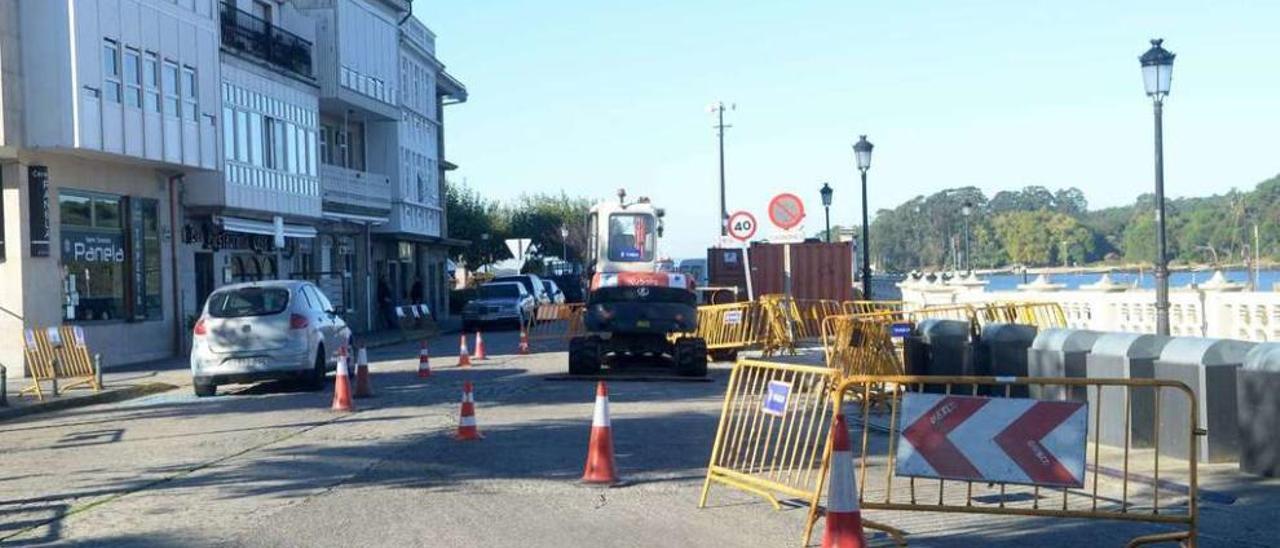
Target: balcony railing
{"x":250,"y":35}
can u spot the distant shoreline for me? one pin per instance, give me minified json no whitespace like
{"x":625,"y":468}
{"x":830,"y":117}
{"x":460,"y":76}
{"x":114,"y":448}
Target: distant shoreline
{"x":1100,"y":269}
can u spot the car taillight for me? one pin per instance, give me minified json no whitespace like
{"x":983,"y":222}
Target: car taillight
{"x":298,"y":321}
{"x":200,"y":329}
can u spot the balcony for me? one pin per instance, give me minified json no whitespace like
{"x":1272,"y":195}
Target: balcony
{"x":248,"y":35}
{"x":350,"y":192}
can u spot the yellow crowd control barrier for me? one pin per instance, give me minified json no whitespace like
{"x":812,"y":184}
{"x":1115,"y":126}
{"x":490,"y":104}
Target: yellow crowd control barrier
{"x":1041,"y":315}
{"x":728,"y":327}
{"x":773,"y":431}
{"x":57,"y":353}
{"x":861,"y":345}
{"x":870,"y":307}
{"x":1126,"y":483}
{"x":555,"y":321}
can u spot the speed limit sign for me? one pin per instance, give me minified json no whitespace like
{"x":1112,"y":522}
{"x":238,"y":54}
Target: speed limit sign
{"x":742,"y":226}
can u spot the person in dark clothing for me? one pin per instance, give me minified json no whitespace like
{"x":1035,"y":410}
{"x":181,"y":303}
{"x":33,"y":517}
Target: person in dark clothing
{"x":387,"y":303}
{"x":415,"y":292}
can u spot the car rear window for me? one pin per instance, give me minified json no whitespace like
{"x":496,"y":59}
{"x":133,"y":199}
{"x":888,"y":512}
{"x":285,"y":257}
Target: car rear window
{"x":248,"y":301}
{"x":522,"y":280}
{"x":499,"y":291}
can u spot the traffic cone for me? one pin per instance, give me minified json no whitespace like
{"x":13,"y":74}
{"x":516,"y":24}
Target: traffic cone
{"x":467,"y":430}
{"x":464,"y":355}
{"x":600,"y":462}
{"x":424,"y":362}
{"x":524,"y":341}
{"x":342,"y":384}
{"x":480,"y":353}
{"x":844,"y":518}
{"x":363,"y":389}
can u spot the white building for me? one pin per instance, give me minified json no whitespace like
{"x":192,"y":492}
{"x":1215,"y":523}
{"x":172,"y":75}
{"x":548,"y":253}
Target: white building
{"x":108,"y":106}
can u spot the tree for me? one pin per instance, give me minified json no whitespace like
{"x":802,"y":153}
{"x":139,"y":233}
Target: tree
{"x":540,"y":217}
{"x":1070,"y":201}
{"x":470,"y":217}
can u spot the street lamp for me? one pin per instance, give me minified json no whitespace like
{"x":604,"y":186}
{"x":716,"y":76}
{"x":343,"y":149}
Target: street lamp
{"x":826,"y":192}
{"x":1157,"y":72}
{"x":967,"y":210}
{"x":862,"y":151}
{"x":485,"y":238}
{"x":564,"y":243}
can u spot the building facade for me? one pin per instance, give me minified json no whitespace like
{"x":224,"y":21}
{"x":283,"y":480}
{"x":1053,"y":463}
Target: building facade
{"x":154,"y":150}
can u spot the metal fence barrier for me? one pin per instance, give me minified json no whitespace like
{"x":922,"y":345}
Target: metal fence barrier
{"x":58,"y":353}
{"x":728,"y":327}
{"x":1041,"y":315}
{"x":1124,"y":483}
{"x":555,"y":322}
{"x":773,"y":431}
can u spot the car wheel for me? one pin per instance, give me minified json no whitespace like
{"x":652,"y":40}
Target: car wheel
{"x":584,"y":356}
{"x":315,"y":380}
{"x":205,"y":389}
{"x":691,"y":357}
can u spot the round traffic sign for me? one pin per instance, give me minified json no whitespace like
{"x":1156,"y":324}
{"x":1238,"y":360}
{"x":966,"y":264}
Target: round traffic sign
{"x":742,"y":225}
{"x":786,"y":211}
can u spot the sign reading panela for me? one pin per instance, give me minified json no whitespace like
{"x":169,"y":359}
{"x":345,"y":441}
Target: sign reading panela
{"x":1011,"y":440}
{"x":775,"y":398}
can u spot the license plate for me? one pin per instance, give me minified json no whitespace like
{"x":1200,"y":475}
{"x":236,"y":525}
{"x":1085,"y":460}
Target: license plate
{"x":642,"y":323}
{"x":249,"y":363}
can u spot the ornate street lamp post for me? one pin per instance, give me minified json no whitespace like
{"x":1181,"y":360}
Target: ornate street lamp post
{"x":862,"y":151}
{"x":826,"y":192}
{"x":1157,"y":72}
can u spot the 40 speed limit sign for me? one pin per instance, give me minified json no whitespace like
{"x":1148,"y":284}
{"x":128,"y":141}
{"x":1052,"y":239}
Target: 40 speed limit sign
{"x":742,"y":226}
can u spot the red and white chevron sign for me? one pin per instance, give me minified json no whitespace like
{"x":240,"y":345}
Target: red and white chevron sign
{"x":1012,"y":440}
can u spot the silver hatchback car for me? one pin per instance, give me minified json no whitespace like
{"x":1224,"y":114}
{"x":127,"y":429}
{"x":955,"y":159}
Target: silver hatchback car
{"x":266,"y":330}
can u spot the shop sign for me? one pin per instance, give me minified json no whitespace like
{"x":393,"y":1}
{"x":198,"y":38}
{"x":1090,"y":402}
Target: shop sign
{"x":38,"y":212}
{"x":137,"y":235}
{"x":91,"y":247}
{"x":214,"y":238}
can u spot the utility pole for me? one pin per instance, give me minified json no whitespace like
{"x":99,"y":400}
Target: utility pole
{"x":718,"y":108}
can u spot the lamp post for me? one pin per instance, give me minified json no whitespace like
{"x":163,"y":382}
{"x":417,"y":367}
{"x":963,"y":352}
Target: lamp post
{"x":967,"y":210}
{"x":564,"y":243}
{"x":862,"y":151}
{"x":826,"y":192}
{"x":485,"y":238}
{"x":1157,"y":72}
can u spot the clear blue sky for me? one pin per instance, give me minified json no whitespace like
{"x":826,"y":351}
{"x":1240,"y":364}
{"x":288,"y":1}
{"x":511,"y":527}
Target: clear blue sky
{"x":589,"y":96}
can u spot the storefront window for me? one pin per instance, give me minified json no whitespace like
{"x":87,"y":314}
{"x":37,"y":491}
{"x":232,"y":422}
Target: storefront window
{"x":93,"y":256}
{"x":104,"y":277}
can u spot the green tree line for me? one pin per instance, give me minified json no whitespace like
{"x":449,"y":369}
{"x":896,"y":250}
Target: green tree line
{"x":538,"y":217}
{"x":1035,"y":226}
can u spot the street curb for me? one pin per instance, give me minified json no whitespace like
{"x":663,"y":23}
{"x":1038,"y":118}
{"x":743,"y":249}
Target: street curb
{"x":108,"y":396}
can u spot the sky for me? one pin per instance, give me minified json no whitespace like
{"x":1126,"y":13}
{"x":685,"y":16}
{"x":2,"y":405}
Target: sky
{"x":586,"y":97}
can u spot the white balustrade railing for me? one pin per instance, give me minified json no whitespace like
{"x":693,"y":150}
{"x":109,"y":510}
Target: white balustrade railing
{"x":1202,"y":312}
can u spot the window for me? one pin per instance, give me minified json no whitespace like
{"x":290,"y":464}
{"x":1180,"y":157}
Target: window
{"x":151,"y":261}
{"x":255,"y":139}
{"x":151,"y":77}
{"x":342,"y":157}
{"x":248,"y":301}
{"x":262,"y":10}
{"x":311,"y":153}
{"x":170,"y":81}
{"x":325,"y":157}
{"x":278,"y":144}
{"x":631,"y":237}
{"x":189,"y":94}
{"x":93,"y":256}
{"x":242,"y":136}
{"x":228,"y":133}
{"x":291,"y":148}
{"x":111,"y":70}
{"x":132,"y":78}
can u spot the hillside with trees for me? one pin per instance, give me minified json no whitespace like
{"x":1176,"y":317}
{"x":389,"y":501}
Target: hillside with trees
{"x":1036,"y":226}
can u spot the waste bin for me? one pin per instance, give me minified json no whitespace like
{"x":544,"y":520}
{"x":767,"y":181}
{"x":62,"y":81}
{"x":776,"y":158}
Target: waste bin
{"x":938,"y":347}
{"x":1124,"y":356}
{"x":1060,"y":353}
{"x":1209,"y":367}
{"x":1001,"y":351}
{"x":1258,"y":414}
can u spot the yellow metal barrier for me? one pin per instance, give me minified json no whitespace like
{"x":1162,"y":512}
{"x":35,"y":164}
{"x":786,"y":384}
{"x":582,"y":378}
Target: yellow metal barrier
{"x":555,"y":322}
{"x":1041,"y":315}
{"x":56,"y":353}
{"x":861,"y":345}
{"x":774,"y":451}
{"x":728,"y":327}
{"x":1119,"y":483}
{"x":849,"y":308}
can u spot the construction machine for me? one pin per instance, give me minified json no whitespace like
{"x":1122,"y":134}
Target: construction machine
{"x":635,"y":312}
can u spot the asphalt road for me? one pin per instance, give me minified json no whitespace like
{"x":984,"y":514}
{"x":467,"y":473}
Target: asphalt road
{"x":269,"y":465}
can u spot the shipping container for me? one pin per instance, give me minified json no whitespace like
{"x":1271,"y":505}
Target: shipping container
{"x":818,"y":270}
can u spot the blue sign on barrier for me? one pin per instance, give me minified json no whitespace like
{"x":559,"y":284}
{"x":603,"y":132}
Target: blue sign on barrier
{"x":775,"y":398}
{"x":901,"y":330}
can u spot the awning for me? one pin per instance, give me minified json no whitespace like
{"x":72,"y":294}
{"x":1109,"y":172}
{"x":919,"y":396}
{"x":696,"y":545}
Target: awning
{"x":351,"y":217}
{"x":250,"y":226}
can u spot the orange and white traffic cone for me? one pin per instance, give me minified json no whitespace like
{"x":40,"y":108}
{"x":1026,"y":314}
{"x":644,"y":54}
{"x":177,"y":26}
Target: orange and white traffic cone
{"x":600,"y":462}
{"x":363,"y":388}
{"x":424,"y":362}
{"x":467,"y":430}
{"x":844,"y":518}
{"x":342,"y":384}
{"x":524,"y":341}
{"x":480,"y":353}
{"x":464,"y":355}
